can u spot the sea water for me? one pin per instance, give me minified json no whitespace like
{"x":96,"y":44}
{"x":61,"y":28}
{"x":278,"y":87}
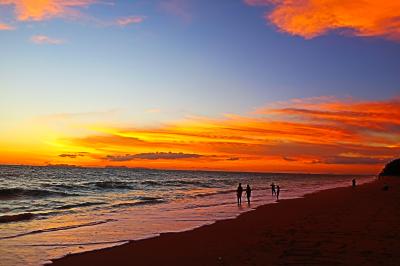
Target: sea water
{"x":48,"y":212}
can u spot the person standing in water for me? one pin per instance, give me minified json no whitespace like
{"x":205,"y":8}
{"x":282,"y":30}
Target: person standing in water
{"x":248,"y":193}
{"x":239,"y":192}
{"x":353,"y":182}
{"x":278,"y":190}
{"x":273,"y":189}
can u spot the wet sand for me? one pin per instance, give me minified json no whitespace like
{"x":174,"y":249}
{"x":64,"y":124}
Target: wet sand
{"x":342,"y":226}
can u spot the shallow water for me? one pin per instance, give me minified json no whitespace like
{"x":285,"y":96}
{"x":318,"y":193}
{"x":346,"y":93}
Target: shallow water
{"x":47,"y":212}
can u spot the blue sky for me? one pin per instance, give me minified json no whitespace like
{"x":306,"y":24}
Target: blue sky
{"x":219,"y":54}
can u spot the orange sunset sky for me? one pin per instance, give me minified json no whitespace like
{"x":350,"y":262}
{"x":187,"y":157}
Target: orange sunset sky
{"x":307,"y":135}
{"x":238,"y":85}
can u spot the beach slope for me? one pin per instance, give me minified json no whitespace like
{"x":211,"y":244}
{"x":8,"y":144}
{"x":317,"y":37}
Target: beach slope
{"x":343,"y":226}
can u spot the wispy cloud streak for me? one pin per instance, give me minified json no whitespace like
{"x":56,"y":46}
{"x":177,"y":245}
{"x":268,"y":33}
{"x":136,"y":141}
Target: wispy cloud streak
{"x":304,"y":134}
{"x":179,"y":8}
{"x":43,"y":39}
{"x":152,"y":156}
{"x":125,"y":21}
{"x":4,"y":26}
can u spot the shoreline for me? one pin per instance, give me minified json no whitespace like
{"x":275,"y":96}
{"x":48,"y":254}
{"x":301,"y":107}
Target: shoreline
{"x":298,"y":231}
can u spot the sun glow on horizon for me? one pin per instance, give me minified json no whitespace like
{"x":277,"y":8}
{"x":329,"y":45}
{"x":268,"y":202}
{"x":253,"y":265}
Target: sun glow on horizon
{"x":302,"y":135}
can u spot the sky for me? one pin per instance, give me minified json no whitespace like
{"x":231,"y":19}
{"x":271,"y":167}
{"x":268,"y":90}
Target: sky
{"x":239,"y":85}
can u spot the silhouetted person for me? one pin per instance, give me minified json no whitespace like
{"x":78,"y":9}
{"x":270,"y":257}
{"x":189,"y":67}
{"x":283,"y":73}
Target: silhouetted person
{"x":248,"y":193}
{"x":239,"y":192}
{"x":278,"y":190}
{"x":273,"y":189}
{"x":353,"y":182}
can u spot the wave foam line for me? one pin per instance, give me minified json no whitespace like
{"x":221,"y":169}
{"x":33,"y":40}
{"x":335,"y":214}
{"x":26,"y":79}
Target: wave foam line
{"x":53,"y":229}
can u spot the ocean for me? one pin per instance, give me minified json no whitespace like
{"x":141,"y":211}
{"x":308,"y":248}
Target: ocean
{"x":48,"y":212}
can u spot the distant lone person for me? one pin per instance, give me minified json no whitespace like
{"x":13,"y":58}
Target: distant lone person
{"x":248,"y":193}
{"x":239,"y":192}
{"x":278,"y":190}
{"x":273,"y":189}
{"x":353,"y":182}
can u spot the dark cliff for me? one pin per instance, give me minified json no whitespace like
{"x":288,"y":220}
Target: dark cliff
{"x":391,"y":169}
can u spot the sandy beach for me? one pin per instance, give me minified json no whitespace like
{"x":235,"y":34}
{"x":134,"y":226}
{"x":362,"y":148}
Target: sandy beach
{"x":342,"y":226}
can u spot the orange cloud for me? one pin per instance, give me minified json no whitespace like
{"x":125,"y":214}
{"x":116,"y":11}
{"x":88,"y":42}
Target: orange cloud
{"x":312,"y":135}
{"x":43,"y":39}
{"x":302,"y":135}
{"x":373,"y":116}
{"x":129,"y":20}
{"x":311,"y":18}
{"x":4,"y":26}
{"x":45,"y":9}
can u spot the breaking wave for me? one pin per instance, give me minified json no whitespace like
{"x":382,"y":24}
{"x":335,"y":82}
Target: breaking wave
{"x":17,"y":193}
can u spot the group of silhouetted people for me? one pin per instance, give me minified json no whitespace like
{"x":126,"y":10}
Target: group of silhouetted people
{"x":275,"y":189}
{"x":239,"y":193}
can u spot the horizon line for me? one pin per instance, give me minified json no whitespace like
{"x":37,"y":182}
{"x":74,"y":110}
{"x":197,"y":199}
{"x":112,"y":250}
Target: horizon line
{"x":183,"y":170}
